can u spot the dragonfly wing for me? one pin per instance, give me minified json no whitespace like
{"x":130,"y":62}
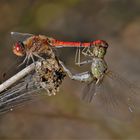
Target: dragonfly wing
{"x":25,"y":90}
{"x":115,"y":97}
{"x":20,"y":36}
{"x":89,"y":91}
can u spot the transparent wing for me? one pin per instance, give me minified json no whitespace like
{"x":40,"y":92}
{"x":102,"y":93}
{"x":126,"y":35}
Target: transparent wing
{"x":116,"y":96}
{"x":26,"y":90}
{"x":20,"y":36}
{"x":89,"y":92}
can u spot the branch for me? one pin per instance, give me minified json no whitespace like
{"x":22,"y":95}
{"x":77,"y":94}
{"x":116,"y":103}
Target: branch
{"x":17,"y":77}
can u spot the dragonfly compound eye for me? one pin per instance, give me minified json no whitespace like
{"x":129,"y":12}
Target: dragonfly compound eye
{"x":104,"y":44}
{"x":101,"y":43}
{"x":19,"y":49}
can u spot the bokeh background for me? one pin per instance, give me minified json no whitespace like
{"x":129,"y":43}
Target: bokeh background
{"x":65,"y":116}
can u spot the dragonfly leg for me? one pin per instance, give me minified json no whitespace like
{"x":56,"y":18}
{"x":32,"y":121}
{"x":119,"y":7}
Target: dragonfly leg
{"x":32,"y":58}
{"x":87,"y":52}
{"x":82,"y":77}
{"x":84,"y":62}
{"x":98,"y":81}
{"x":38,"y":56}
{"x":78,"y":56}
{"x":26,"y":57}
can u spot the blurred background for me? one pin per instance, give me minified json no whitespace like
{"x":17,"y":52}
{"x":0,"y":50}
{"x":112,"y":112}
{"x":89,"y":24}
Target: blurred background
{"x":66,"y":116}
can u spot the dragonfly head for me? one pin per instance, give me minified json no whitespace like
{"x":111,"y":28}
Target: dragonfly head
{"x":100,"y":47}
{"x":19,"y":49}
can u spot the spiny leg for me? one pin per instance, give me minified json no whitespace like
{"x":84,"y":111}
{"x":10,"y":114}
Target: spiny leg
{"x":78,"y":56}
{"x":26,"y":57}
{"x":87,"y":52}
{"x":32,"y":58}
{"x":35,"y":54}
{"x":99,"y":80}
{"x":85,"y":62}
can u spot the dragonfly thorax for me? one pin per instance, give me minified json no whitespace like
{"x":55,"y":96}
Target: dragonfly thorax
{"x":98,"y":67}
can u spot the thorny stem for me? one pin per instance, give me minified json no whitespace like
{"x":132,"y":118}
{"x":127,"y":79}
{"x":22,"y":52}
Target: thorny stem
{"x":17,"y":77}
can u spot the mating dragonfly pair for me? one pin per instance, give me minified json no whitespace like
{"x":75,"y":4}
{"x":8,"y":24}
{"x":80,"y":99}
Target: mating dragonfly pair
{"x":102,"y":85}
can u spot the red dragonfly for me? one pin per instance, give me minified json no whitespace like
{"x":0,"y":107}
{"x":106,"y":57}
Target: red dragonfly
{"x":34,"y":45}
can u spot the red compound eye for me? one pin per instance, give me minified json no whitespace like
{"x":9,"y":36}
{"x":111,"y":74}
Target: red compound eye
{"x":19,"y":49}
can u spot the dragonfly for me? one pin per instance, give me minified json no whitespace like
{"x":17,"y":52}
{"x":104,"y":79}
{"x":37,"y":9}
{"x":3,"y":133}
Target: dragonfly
{"x":106,"y":88}
{"x":30,"y":45}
